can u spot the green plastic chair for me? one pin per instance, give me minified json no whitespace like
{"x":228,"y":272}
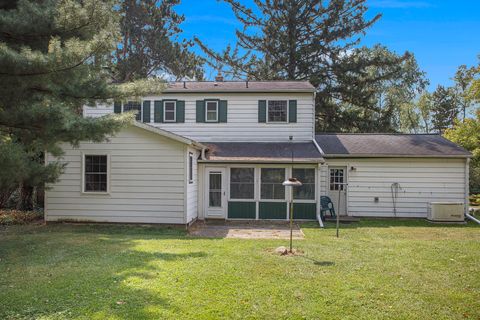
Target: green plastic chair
{"x":326,"y":204}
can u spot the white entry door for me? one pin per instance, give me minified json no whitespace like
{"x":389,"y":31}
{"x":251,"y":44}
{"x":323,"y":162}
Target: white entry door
{"x":215,"y":198}
{"x":338,"y":189}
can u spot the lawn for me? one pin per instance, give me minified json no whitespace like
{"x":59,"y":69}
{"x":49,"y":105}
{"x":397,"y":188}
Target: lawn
{"x":377,"y":269}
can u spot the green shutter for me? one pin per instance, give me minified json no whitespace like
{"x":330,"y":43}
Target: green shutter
{"x":180,"y":111}
{"x":146,"y":111}
{"x":158,"y":111}
{"x":222,"y":111}
{"x":200,"y":110}
{"x":262,"y":111}
{"x":292,"y":111}
{"x":117,"y":107}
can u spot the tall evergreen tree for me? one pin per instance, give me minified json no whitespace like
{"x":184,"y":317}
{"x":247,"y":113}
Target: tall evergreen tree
{"x":149,"y":43}
{"x":445,"y":108}
{"x":317,"y":41}
{"x":54,"y":58}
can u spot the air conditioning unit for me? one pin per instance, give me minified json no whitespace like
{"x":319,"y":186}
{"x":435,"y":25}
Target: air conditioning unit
{"x":446,"y":212}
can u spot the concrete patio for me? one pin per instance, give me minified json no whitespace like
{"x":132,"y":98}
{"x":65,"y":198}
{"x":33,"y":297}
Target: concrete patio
{"x":244,"y":230}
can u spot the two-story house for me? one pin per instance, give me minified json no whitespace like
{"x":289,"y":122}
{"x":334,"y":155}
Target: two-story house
{"x":221,"y":150}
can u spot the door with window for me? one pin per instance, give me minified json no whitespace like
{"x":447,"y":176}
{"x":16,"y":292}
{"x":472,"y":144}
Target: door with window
{"x":215,"y":199}
{"x":338,"y":189}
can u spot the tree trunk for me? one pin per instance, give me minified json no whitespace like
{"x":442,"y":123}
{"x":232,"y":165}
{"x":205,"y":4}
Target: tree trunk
{"x":25,"y":203}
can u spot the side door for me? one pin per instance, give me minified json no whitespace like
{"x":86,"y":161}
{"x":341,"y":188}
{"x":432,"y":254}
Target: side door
{"x":338,"y":189}
{"x":215,"y":195}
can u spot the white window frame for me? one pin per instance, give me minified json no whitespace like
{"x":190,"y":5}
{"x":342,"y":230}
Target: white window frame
{"x":268,"y":107}
{"x":174,"y":110}
{"x":260,"y":185}
{"x":190,"y":167}
{"x":95,"y":153}
{"x":206,"y":110}
{"x":254,"y":183}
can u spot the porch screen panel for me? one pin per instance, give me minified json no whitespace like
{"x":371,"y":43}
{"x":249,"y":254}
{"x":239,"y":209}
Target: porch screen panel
{"x":307,"y":178}
{"x":242,"y":183}
{"x":271,"y":183}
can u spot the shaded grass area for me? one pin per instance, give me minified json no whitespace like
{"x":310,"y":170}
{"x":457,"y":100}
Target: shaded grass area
{"x":405,"y":269}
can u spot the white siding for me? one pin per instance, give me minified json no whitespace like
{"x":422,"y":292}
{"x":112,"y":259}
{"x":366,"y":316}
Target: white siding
{"x":98,"y":111}
{"x":147,"y":182}
{"x":242,"y":118}
{"x":421,"y":181}
{"x":192,"y":188}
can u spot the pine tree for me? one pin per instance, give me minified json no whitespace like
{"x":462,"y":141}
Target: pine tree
{"x":445,"y":108}
{"x":54,"y":58}
{"x":316,"y":41}
{"x":149,"y":43}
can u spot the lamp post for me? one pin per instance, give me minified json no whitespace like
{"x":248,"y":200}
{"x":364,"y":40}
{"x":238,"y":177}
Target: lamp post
{"x":291,"y":182}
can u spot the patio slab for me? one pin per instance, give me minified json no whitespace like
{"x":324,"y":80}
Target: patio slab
{"x":245,"y":231}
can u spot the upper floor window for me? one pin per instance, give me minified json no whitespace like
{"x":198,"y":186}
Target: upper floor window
{"x":169,"y":111}
{"x":96,"y":173}
{"x":133,"y":106}
{"x":211,"y":111}
{"x":277,"y":111}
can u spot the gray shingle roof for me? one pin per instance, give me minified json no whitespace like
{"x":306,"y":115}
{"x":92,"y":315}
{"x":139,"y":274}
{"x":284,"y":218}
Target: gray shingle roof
{"x":388,"y":145}
{"x":239,"y":86}
{"x":262,"y":152}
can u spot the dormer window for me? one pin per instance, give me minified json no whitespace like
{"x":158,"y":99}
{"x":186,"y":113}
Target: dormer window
{"x":169,"y":111}
{"x":211,"y":111}
{"x":277,"y":111}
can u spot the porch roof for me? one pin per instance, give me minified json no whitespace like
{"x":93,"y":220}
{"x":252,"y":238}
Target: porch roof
{"x":388,"y":145}
{"x":269,"y":152}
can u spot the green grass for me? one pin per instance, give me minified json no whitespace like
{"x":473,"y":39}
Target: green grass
{"x":375,"y":270}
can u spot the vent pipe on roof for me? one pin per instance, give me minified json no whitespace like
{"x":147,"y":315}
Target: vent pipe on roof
{"x":246,"y":83}
{"x":184,"y":85}
{"x":219,"y":77}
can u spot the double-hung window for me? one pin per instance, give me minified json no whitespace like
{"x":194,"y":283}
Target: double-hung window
{"x":211,"y":111}
{"x":169,"y":111}
{"x":307,"y":190}
{"x":96,"y":173}
{"x":134,"y":106}
{"x":277,"y":111}
{"x":271,"y":183}
{"x":242,"y":183}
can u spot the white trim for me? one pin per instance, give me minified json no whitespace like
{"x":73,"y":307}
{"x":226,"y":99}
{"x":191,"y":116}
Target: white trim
{"x":206,"y":110}
{"x":169,"y":134}
{"x":95,"y":153}
{"x":190,"y":173}
{"x":174,"y":111}
{"x":279,"y":122}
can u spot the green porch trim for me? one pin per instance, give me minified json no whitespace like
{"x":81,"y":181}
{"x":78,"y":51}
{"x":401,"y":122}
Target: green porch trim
{"x":305,"y":211}
{"x":272,"y":210}
{"x":241,"y":210}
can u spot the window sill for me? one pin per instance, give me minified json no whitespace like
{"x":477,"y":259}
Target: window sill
{"x":89,"y":193}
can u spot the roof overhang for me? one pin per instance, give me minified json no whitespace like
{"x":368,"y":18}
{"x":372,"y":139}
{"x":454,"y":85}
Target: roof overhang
{"x":170,"y":135}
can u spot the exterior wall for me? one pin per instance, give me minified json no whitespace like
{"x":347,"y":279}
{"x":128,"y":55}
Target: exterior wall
{"x":242,"y":123}
{"x":192,"y":188}
{"x":147,"y":181}
{"x":421,"y":180}
{"x":302,"y":207}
